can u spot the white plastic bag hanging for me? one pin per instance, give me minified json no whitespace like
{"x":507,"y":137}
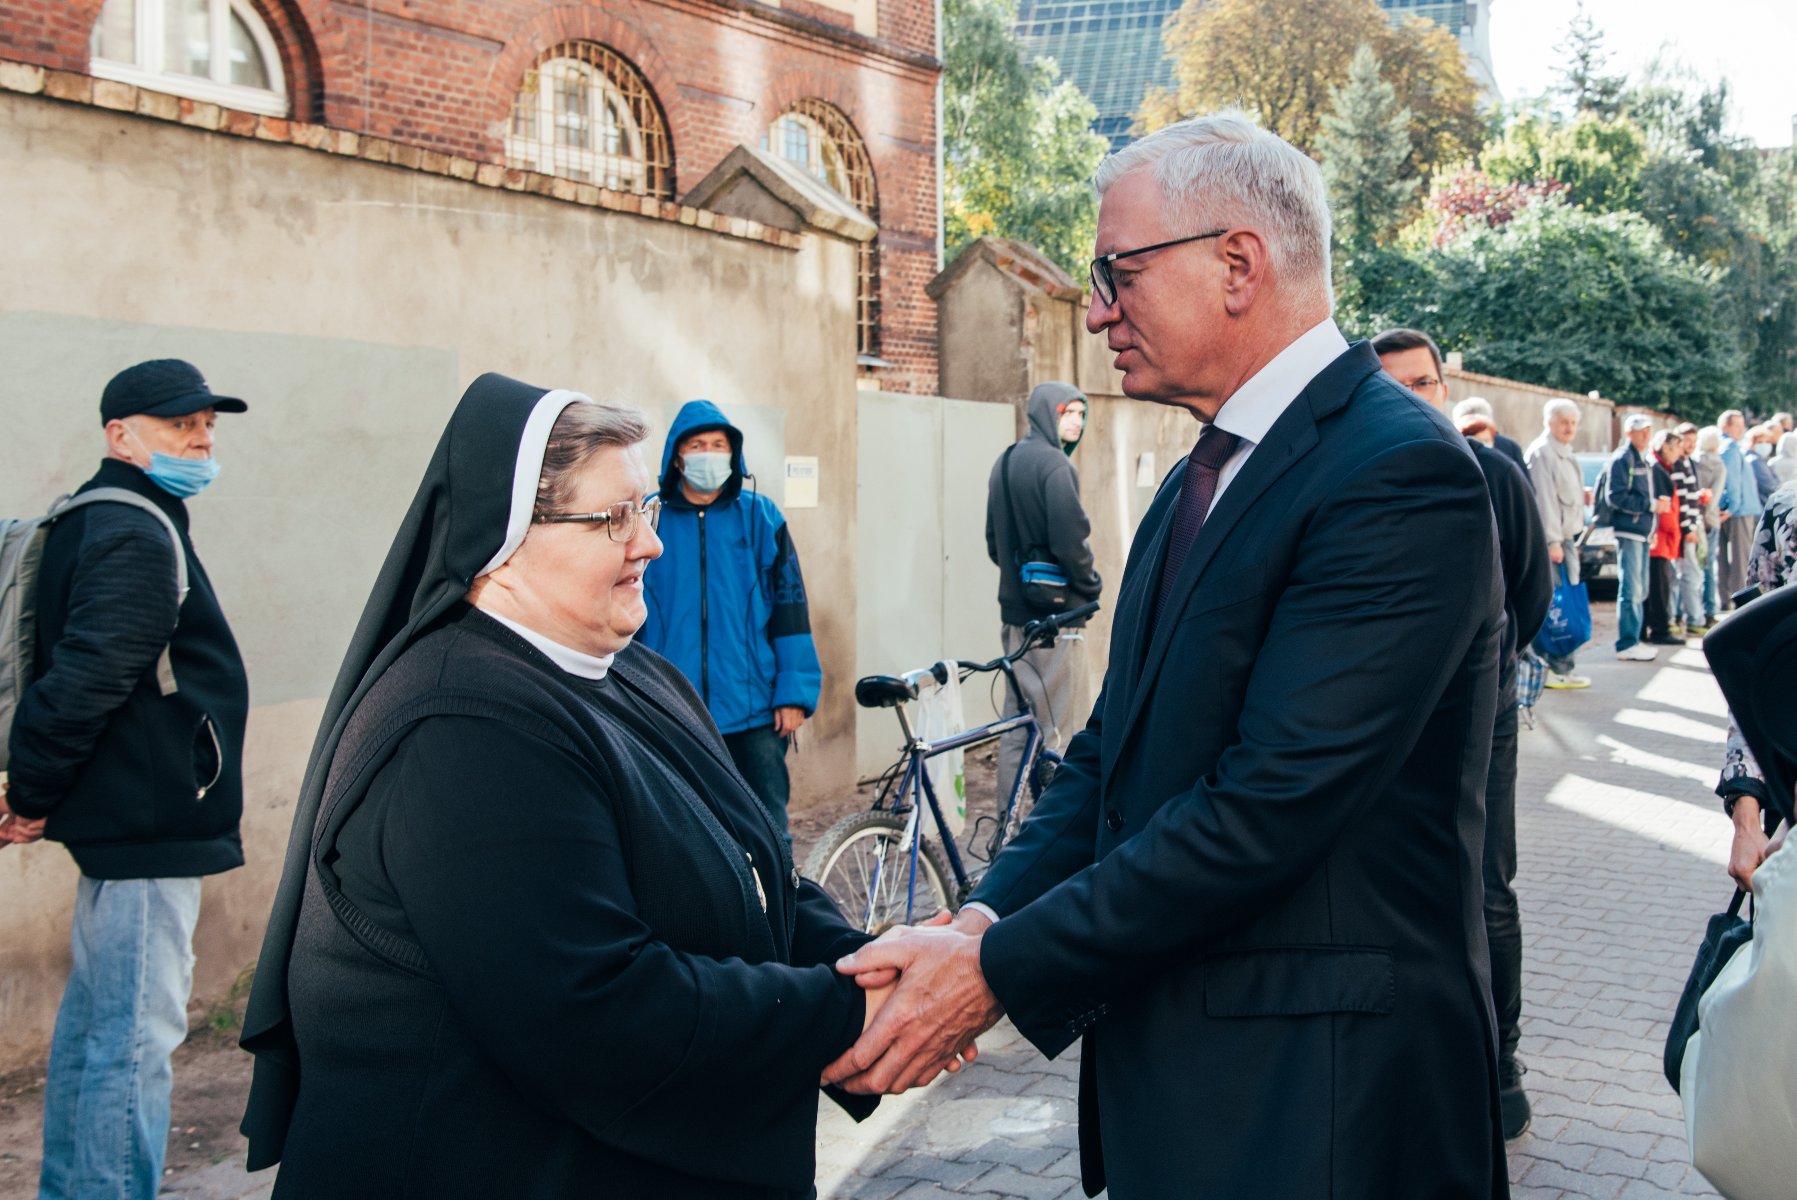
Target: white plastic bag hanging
{"x":1739,"y":1090}
{"x":939,"y":716}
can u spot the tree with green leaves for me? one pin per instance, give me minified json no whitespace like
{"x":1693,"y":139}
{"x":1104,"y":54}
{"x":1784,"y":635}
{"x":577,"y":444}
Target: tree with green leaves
{"x":1278,"y":61}
{"x":1583,"y":83}
{"x":1018,"y":150}
{"x":1365,"y":139}
{"x":1599,"y":159}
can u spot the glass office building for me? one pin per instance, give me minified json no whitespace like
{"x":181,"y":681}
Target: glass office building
{"x":1112,"y":49}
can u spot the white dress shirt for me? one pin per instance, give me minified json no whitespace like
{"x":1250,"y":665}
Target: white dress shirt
{"x":1251,"y":411}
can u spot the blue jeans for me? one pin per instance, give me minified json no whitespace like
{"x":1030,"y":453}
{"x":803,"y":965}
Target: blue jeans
{"x":1690,"y":608}
{"x":123,"y":1013}
{"x":1631,"y":559}
{"x":760,"y":755}
{"x":1713,"y":540}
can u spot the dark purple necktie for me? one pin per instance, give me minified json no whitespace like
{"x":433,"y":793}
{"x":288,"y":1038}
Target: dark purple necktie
{"x":1203,"y":466}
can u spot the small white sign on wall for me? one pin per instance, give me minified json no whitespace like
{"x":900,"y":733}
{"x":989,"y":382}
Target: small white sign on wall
{"x":1145,"y":470}
{"x":801,"y":481}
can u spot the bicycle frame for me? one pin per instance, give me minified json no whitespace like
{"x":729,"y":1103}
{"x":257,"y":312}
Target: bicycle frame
{"x":915,"y":785}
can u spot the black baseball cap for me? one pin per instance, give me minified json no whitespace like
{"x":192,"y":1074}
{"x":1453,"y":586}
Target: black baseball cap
{"x":162,"y":387}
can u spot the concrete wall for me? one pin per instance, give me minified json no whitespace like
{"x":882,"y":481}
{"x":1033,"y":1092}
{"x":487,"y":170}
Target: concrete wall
{"x":350,"y":303}
{"x":1517,"y":407}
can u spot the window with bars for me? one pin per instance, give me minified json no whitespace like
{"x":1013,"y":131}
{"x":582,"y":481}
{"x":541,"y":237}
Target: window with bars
{"x":214,"y":50}
{"x":584,"y":112}
{"x":819,"y":138}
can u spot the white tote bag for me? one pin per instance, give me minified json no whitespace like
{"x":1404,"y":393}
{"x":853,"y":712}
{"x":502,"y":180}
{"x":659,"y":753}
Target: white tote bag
{"x":1739,"y":1080}
{"x":939,"y":715}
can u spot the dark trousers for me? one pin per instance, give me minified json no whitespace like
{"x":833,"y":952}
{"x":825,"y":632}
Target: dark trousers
{"x":1503,"y":926}
{"x":1662,"y":582}
{"x":760,"y":754}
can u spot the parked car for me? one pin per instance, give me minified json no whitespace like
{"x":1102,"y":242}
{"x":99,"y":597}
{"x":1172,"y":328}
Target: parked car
{"x":1597,"y":546}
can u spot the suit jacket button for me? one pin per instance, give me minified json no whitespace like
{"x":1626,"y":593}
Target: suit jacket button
{"x":794,"y":878}
{"x":1114,"y":820}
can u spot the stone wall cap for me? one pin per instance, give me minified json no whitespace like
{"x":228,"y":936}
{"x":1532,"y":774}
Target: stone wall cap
{"x":1020,"y":261}
{"x":817,"y":204}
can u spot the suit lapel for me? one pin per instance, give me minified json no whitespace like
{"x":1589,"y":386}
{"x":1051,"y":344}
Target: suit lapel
{"x":1292,"y":436}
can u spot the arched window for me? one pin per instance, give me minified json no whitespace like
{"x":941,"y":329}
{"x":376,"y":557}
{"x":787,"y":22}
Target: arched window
{"x":818,"y":137}
{"x":585,"y":113}
{"x":214,"y":50}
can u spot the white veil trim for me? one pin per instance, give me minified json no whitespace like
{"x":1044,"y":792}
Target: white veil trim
{"x":532,"y":444}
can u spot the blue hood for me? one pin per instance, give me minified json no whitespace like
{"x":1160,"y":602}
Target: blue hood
{"x":697,"y":416}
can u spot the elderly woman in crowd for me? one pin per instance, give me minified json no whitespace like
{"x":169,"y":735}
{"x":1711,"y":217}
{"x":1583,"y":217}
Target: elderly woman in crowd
{"x":536,"y":936}
{"x":1560,"y":495}
{"x":1771,"y":565}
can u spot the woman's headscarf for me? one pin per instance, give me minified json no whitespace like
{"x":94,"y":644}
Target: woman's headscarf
{"x":470,"y":513}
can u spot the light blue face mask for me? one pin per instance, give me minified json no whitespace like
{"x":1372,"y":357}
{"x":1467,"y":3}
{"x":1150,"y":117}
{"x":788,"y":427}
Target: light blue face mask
{"x":706,"y":471}
{"x":181,"y":477}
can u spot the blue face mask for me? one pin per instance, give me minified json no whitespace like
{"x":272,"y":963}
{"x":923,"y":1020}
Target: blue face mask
{"x":707,"y":471}
{"x":180,"y":477}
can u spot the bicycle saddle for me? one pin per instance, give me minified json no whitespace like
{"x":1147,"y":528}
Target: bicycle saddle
{"x":883,"y":691}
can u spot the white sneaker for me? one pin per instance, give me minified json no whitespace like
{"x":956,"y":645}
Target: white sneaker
{"x":1639,"y":652}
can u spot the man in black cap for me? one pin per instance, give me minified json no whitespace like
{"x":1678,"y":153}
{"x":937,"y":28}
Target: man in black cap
{"x":127,"y":747}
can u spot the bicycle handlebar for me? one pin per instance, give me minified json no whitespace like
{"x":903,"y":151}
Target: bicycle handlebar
{"x":1037,"y":633}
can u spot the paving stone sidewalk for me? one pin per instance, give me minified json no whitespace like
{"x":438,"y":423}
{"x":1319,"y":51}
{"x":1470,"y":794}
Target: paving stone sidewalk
{"x":1621,"y":851}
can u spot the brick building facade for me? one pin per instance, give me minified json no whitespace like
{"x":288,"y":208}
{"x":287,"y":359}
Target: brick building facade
{"x":676,"y":84}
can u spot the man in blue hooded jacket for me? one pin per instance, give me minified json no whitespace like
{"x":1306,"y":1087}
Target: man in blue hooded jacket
{"x":727,"y":601}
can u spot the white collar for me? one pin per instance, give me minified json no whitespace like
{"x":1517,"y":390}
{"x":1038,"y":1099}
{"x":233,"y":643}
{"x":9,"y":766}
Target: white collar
{"x":1251,"y":411}
{"x":574,"y":662}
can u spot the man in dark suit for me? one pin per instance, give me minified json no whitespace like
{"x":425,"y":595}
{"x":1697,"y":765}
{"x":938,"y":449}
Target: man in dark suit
{"x":1254,"y":888}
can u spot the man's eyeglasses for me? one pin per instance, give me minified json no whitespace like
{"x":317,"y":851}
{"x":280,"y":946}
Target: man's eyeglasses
{"x":1106,"y":286}
{"x":619,"y":519}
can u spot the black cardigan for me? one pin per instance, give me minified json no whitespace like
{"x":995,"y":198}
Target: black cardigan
{"x":532,"y":957}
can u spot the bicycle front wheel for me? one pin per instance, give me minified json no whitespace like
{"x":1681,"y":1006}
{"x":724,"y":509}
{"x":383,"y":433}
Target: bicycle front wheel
{"x":864,"y":866}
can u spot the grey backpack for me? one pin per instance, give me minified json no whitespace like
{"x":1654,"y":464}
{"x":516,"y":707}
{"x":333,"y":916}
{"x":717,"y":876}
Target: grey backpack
{"x":21,"y":548}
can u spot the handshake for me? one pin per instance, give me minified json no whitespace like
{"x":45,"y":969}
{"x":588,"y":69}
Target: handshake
{"x":926,"y":1001}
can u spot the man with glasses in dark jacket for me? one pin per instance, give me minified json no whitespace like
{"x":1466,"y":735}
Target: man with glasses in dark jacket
{"x":127,"y":747}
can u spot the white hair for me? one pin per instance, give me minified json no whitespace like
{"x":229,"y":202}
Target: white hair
{"x":1224,"y":170}
{"x":1709,"y":439}
{"x":1559,"y":407}
{"x":1473,"y":406}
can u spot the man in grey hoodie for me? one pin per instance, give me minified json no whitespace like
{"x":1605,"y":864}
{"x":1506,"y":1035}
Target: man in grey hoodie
{"x":1033,"y":513}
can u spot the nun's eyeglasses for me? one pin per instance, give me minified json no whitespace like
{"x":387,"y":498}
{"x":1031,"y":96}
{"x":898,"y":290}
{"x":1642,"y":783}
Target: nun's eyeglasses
{"x":619,"y":519}
{"x":1105,"y":284}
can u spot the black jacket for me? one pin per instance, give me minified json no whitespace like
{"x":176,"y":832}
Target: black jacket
{"x":1522,"y":552}
{"x":136,"y":784}
{"x":1630,"y":491}
{"x":1043,"y":501}
{"x":532,"y":959}
{"x":1255,"y":887}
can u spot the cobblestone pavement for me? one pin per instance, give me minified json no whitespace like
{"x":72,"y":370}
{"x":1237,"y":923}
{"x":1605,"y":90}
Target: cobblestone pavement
{"x":1621,"y":850}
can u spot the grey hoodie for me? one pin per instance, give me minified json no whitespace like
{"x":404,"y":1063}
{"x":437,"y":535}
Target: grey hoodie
{"x":1044,"y":496}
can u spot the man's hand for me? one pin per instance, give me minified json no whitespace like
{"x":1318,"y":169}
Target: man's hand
{"x":1750,"y":845}
{"x":1556,"y":553}
{"x":14,"y":829}
{"x":940,"y":1004}
{"x":787,"y":719}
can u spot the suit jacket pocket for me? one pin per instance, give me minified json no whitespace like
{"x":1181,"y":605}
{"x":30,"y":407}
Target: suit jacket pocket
{"x":1295,"y":981}
{"x":1224,"y":591}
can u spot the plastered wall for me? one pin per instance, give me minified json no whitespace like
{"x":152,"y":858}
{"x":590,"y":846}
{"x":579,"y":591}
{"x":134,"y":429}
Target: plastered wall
{"x":350,"y":303}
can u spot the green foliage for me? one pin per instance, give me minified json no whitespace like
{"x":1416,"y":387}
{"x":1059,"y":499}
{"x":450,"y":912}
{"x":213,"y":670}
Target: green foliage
{"x":1365,"y":139}
{"x":1018,"y":150}
{"x":1599,"y":159}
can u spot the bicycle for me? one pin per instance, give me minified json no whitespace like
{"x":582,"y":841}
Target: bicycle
{"x":878,"y":866}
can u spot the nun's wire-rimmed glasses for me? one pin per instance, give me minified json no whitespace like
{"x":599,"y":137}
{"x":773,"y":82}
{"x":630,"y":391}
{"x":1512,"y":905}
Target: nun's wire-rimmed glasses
{"x":619,"y":519}
{"x":1106,"y":286}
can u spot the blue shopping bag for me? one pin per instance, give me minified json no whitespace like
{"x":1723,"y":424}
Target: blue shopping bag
{"x":1568,"y":624}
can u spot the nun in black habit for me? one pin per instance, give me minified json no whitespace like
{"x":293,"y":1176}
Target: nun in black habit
{"x":535,"y":935}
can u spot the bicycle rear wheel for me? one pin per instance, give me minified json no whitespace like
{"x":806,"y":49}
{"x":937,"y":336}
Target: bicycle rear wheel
{"x":864,"y":866}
